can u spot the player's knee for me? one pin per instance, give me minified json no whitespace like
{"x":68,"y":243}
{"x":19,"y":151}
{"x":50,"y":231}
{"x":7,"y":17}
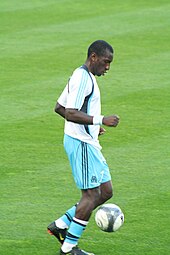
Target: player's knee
{"x":106,"y":196}
{"x":93,"y":197}
{"x":109,"y":194}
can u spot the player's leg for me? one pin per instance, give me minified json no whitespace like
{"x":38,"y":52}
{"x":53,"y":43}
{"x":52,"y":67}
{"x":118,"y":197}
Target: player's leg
{"x":59,"y":227}
{"x":65,"y":220}
{"x":88,"y":202}
{"x":91,"y":198}
{"x":106,"y":192}
{"x":87,"y":168}
{"x":106,"y":189}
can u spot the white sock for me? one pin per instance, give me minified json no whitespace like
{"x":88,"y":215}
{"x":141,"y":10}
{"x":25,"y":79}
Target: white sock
{"x":60,"y":224}
{"x":66,"y":247}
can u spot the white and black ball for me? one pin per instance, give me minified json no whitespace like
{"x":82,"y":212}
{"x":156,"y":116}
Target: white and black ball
{"x":109,"y":217}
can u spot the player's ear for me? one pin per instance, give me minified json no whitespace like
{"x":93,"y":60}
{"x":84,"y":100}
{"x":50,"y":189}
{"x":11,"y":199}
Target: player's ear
{"x":93,"y":56}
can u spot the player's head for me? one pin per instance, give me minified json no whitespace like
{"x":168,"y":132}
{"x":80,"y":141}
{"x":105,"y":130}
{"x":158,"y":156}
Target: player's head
{"x":99,"y":47}
{"x":100,"y":55}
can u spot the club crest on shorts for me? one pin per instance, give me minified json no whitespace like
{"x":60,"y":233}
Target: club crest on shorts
{"x":94,"y":179}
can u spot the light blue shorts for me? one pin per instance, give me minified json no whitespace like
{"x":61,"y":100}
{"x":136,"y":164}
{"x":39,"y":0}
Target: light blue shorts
{"x":88,"y":165}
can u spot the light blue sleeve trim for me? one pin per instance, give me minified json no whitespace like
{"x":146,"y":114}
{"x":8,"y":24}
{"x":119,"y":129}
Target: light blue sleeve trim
{"x":81,"y":92}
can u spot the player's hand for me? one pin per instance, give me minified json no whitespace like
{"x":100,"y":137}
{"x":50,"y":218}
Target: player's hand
{"x":102,"y":131}
{"x":111,"y":121}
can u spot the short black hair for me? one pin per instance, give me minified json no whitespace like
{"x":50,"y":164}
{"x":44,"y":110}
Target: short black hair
{"x":99,"y":47}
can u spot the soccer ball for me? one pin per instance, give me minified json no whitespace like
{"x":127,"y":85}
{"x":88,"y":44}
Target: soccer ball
{"x":109,"y":217}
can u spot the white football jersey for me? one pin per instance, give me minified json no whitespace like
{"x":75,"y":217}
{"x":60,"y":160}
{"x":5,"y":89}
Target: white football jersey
{"x":82,"y":93}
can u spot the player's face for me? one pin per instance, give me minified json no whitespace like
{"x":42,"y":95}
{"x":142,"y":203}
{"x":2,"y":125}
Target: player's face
{"x":101,"y":64}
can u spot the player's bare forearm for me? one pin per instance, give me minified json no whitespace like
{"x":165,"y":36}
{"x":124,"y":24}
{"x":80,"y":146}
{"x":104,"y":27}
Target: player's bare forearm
{"x":73,"y":115}
{"x":78,"y":117}
{"x":60,"y":110}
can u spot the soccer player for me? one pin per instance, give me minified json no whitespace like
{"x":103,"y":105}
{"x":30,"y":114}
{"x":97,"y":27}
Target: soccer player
{"x":80,"y":105}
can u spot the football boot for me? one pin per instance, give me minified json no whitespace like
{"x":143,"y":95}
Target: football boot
{"x":59,"y":233}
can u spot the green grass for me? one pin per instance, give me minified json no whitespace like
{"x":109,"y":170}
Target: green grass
{"x":41,"y":43}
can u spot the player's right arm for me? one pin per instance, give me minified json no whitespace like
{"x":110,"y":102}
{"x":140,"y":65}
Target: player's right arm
{"x":66,"y":101}
{"x":60,"y":110}
{"x":79,"y":117}
{"x":61,"y":102}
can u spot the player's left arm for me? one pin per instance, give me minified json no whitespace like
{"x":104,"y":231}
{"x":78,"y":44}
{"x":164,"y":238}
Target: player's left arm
{"x":102,"y":131}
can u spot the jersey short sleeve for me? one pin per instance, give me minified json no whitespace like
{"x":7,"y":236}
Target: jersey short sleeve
{"x":79,"y":86}
{"x":62,"y":100}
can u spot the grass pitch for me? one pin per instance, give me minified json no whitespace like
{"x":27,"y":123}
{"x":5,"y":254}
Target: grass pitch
{"x":41,"y":43}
